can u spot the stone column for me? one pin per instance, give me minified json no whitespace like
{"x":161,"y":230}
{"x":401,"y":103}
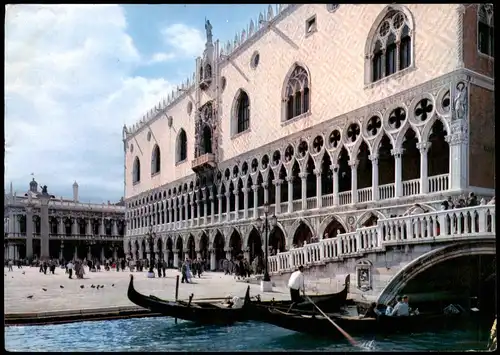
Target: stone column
{"x":398,"y":172}
{"x":303,"y":180}
{"x":102,"y":255}
{"x":459,"y":152}
{"x":148,"y":250}
{"x":12,"y":224}
{"x":212,"y":206}
{"x":335,"y":181}
{"x":89,"y":227}
{"x":89,"y":253}
{"x":156,"y":250}
{"x":245,"y":202}
{"x":228,"y":205}
{"x":277,"y":199}
{"x":319,"y":188}
{"x":29,"y":232}
{"x":75,"y":253}
{"x":170,"y":214}
{"x":255,"y":189}
{"x":424,"y":180}
{"x":192,"y":212}
{"x":213,"y":261}
{"x":60,"y":227}
{"x":115,"y":253}
{"x":205,"y":205}
{"x":176,"y":211}
{"x":354,"y":180}
{"x":219,"y":199}
{"x":198,"y":254}
{"x":74,"y":226}
{"x":265,"y":186}
{"x":374,"y":160}
{"x":165,"y":253}
{"x":44,"y":226}
{"x":114,"y":227}
{"x":198,"y":207}
{"x":289,"y":179}
{"x":176,"y":258}
{"x":186,"y":208}
{"x":61,"y":251}
{"x":186,"y":255}
{"x":141,"y":252}
{"x":102,"y":231}
{"x":228,"y":253}
{"x":134,"y":250}
{"x":246,"y":254}
{"x":236,"y":204}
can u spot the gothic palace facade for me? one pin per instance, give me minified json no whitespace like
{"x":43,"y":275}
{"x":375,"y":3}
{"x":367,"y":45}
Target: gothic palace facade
{"x":334,"y":115}
{"x":40,"y":225}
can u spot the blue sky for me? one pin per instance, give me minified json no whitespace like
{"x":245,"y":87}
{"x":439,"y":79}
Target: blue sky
{"x":76,"y":73}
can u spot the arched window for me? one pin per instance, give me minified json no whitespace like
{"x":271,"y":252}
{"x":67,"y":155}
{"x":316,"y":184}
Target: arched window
{"x":297,"y":94}
{"x":208,"y":71}
{"x":181,"y":151}
{"x":155,"y":160}
{"x":390,"y":48}
{"x":206,"y":144}
{"x":136,"y":171}
{"x":485,"y":30}
{"x":243,"y":112}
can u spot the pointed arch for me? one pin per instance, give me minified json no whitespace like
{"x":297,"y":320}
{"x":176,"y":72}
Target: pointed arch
{"x":398,"y":143}
{"x":240,"y":112}
{"x":367,"y":215}
{"x":354,"y":151}
{"x":391,"y":33}
{"x":327,"y":221}
{"x":296,"y":225}
{"x":155,"y":160}
{"x":136,"y":171}
{"x":181,"y":146}
{"x":426,"y":131}
{"x":296,"y":92}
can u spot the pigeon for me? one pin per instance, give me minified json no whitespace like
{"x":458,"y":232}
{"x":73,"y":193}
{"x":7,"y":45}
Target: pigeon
{"x":12,"y":276}
{"x":61,"y":286}
{"x":30,"y":296}
{"x":113,"y":285}
{"x":24,"y":272}
{"x":92,"y":286}
{"x":98,"y":286}
{"x":81,"y":286}
{"x":102,"y":286}
{"x":44,"y":289}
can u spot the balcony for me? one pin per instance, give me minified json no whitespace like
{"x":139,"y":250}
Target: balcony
{"x":203,"y":163}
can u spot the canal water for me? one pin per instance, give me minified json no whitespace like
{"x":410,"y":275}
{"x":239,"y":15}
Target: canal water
{"x":162,"y":334}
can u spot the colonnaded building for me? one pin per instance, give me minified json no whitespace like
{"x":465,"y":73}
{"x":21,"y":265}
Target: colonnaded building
{"x":40,"y":225}
{"x":334,"y":115}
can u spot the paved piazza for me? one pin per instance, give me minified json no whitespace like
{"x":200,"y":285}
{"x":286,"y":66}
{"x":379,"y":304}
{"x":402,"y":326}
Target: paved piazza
{"x":18,"y":287}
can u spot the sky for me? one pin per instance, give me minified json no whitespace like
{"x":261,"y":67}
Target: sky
{"x":75,"y":74}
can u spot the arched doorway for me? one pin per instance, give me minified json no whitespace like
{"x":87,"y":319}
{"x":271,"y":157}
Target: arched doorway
{"x":180,"y":251}
{"x":54,"y":248}
{"x":254,"y":244}
{"x":277,"y":240}
{"x":191,"y":247}
{"x":219,"y":250}
{"x":206,"y":145}
{"x":204,"y":247}
{"x":333,"y":229}
{"x":170,"y":252}
{"x":159,"y":245}
{"x":302,"y":234}
{"x":235,"y":243}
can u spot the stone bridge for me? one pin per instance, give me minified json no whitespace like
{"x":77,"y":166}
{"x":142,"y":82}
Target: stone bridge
{"x":382,"y":259}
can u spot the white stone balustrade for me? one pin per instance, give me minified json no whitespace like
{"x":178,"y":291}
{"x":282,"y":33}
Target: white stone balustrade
{"x":445,"y":226}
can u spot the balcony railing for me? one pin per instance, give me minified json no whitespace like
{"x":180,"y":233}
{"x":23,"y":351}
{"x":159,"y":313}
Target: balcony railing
{"x":436,"y":184}
{"x":439,"y":226}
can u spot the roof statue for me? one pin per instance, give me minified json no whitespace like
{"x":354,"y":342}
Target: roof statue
{"x":208,"y":29}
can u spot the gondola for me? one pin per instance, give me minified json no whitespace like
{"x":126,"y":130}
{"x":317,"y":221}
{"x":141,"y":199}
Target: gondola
{"x":203,"y":312}
{"x":320,"y":326}
{"x":332,"y":302}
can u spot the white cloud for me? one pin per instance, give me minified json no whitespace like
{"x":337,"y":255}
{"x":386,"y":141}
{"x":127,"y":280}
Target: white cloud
{"x":188,"y":41}
{"x":161,"y":58}
{"x":68,"y":92}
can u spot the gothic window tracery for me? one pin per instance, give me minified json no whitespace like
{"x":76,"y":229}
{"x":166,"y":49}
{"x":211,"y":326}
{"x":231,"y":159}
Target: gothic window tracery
{"x":243,"y":112}
{"x":181,"y":146}
{"x":297,"y":93}
{"x":485,"y":29}
{"x":155,"y":160}
{"x":391,"y":46}
{"x":136,"y":172}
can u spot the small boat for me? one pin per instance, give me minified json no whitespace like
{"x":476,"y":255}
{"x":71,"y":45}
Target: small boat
{"x":202,"y":312}
{"x":320,"y":326}
{"x":332,"y":302}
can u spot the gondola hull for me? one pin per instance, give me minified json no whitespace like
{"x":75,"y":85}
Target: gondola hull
{"x":203,"y":313}
{"x":319,"y":326}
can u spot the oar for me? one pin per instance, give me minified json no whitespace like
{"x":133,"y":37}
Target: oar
{"x":342,"y":331}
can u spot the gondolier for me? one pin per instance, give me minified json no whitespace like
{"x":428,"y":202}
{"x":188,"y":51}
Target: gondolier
{"x":295,"y":284}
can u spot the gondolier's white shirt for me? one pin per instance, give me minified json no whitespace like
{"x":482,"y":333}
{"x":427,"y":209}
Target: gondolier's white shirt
{"x":296,"y":281}
{"x":401,"y":309}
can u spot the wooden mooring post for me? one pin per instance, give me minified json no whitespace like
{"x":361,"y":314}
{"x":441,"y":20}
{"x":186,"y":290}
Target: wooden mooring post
{"x":176,"y":291}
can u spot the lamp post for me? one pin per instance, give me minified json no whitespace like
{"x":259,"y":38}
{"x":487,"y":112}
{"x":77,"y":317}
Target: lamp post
{"x":264,"y":226}
{"x":150,"y":238}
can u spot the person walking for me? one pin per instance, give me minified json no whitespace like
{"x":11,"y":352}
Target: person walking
{"x":69,"y":267}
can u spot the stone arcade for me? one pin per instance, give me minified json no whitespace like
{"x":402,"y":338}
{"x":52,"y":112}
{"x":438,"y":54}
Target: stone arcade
{"x":333,"y":139}
{"x":40,"y":225}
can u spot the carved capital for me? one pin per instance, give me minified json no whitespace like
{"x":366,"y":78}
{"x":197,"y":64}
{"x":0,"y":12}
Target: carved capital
{"x":373,"y":158}
{"x":255,"y":187}
{"x":423,"y":147}
{"x":245,"y":190}
{"x":265,"y":185}
{"x":277,"y":182}
{"x":220,"y":196}
{"x":318,"y":172}
{"x":335,"y":168}
{"x":289,"y":179}
{"x":302,"y":175}
{"x":353,"y":163}
{"x":397,"y":152}
{"x":228,"y":194}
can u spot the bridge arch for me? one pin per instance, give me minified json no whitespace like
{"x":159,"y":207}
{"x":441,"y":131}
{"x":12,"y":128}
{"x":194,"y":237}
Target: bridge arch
{"x":332,"y":222}
{"x":432,"y":258}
